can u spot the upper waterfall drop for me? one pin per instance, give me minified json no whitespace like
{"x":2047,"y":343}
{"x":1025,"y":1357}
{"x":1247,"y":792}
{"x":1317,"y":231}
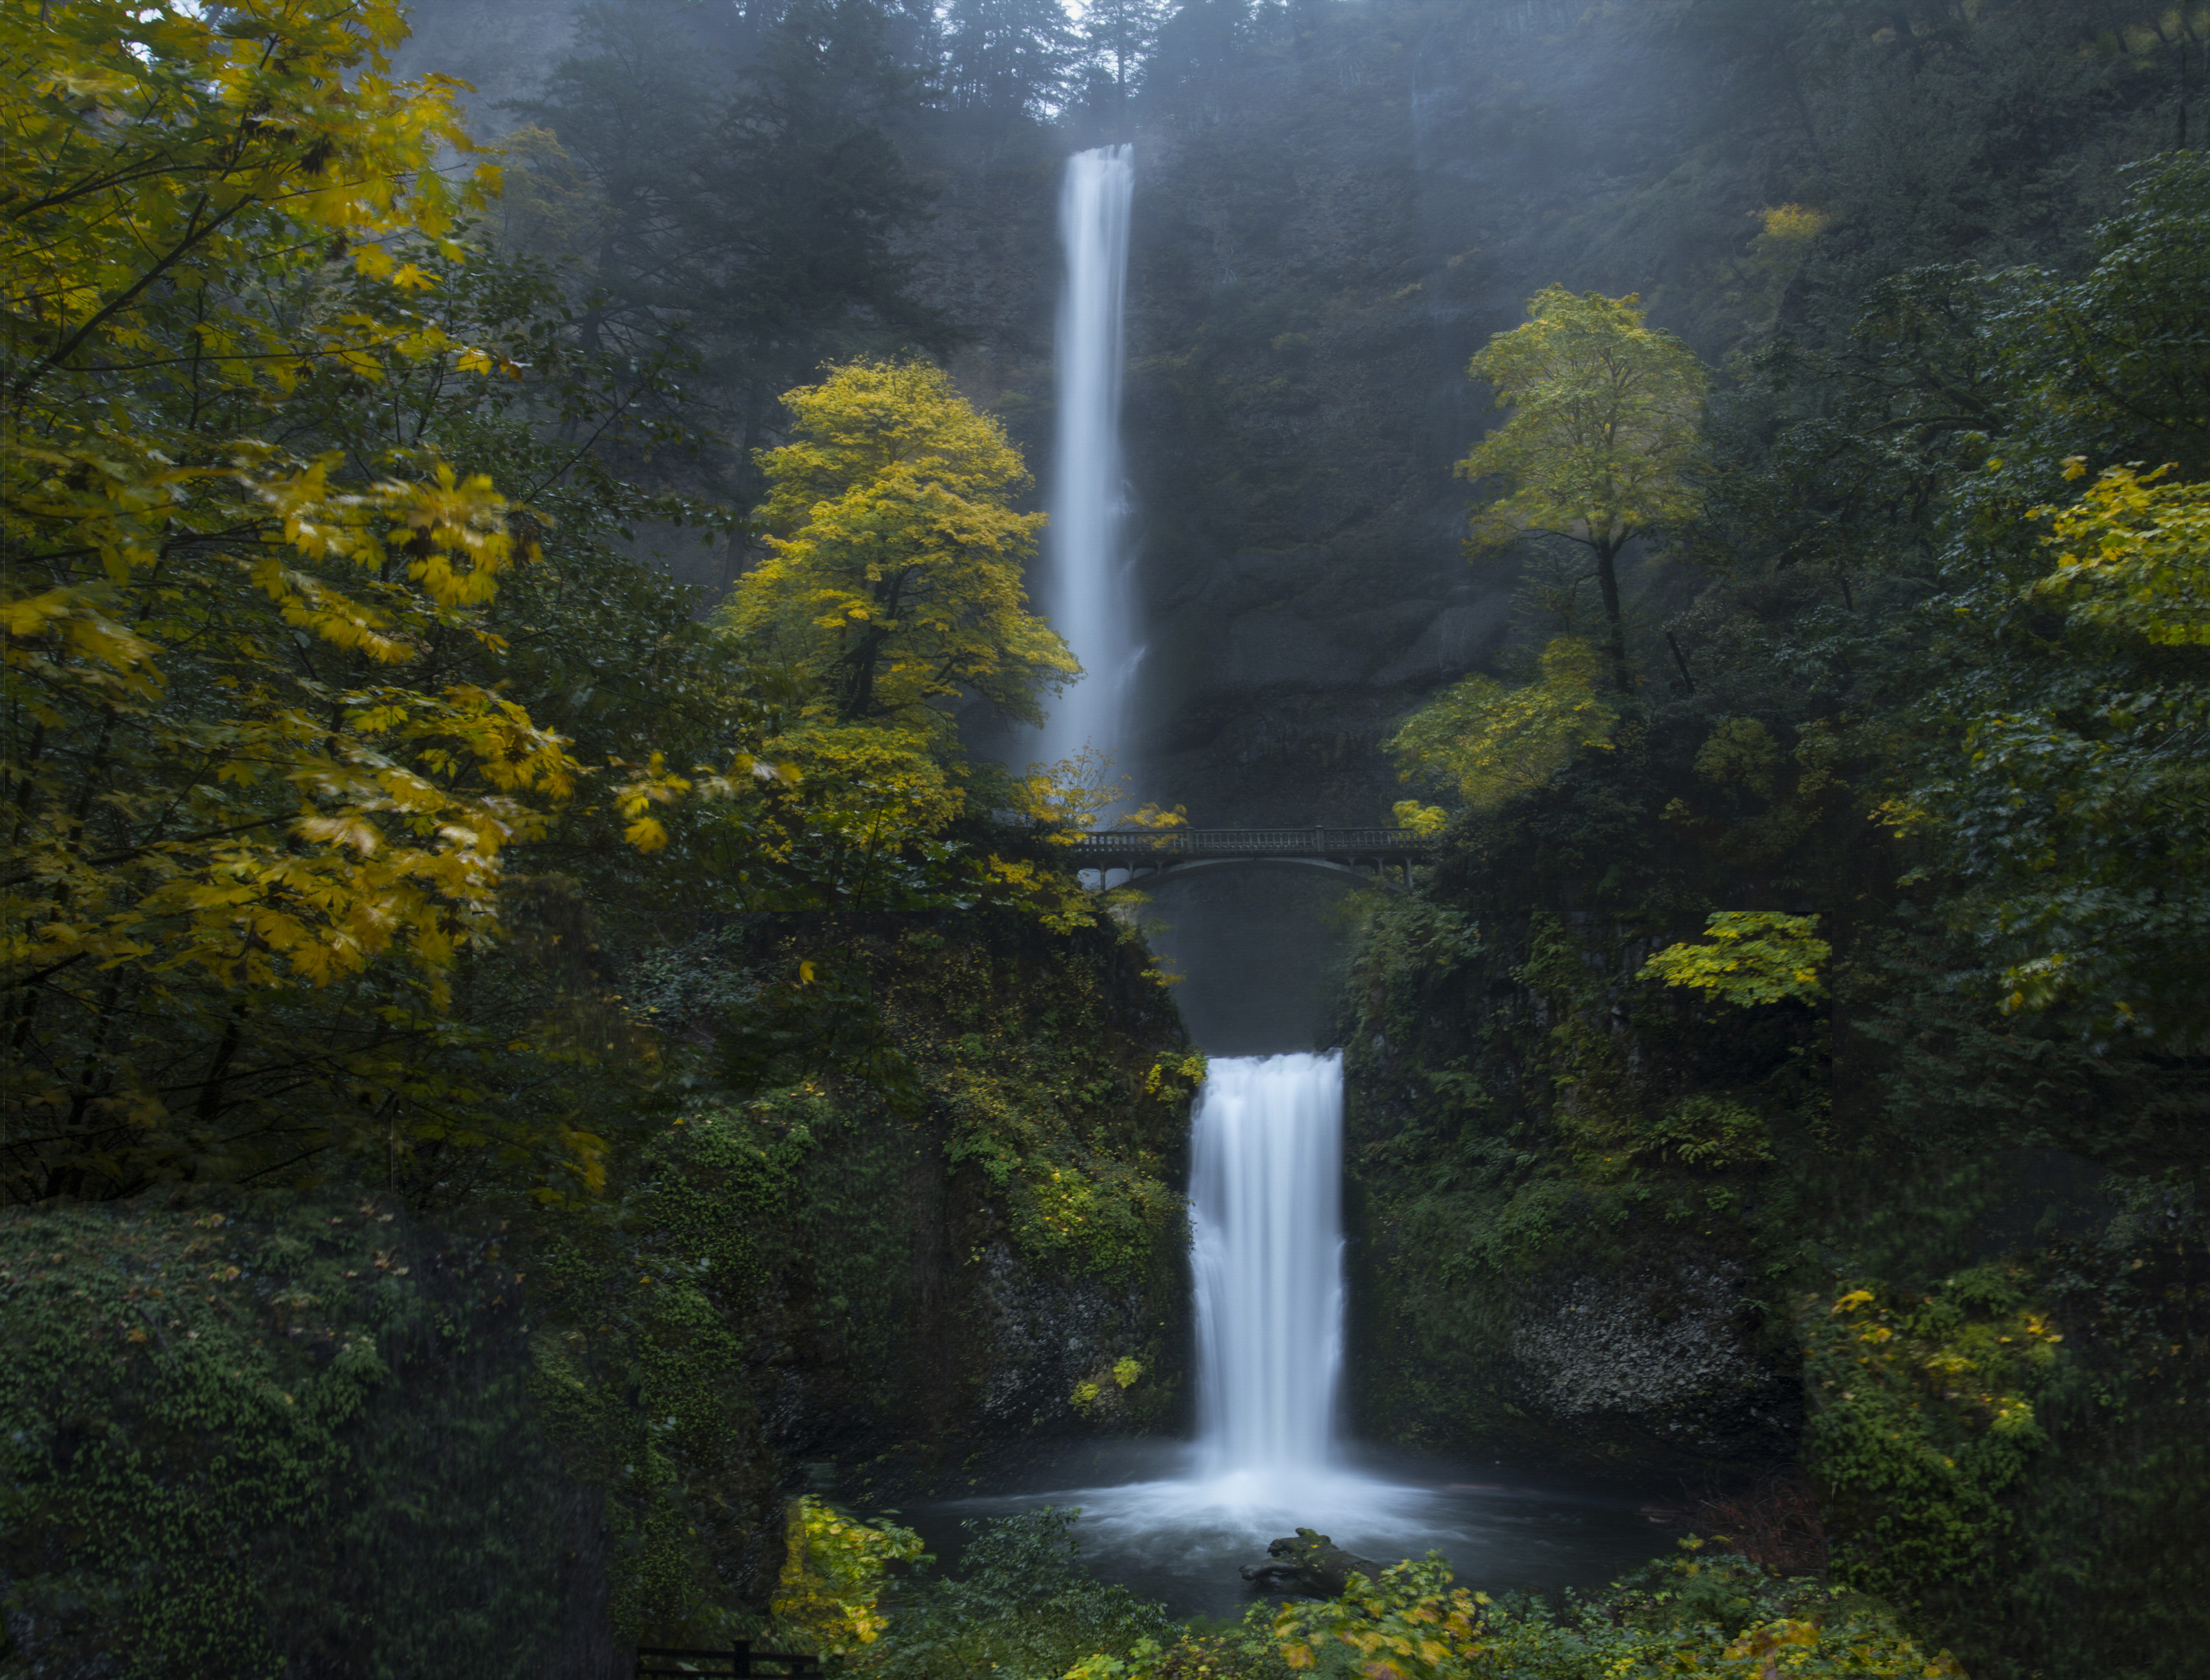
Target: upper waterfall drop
{"x":1085,"y":586}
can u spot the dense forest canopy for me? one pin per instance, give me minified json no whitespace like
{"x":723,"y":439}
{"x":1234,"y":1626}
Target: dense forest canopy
{"x":620,"y":1043}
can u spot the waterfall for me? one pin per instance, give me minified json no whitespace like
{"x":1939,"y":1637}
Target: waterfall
{"x":1266,"y":1254}
{"x":1085,"y":590}
{"x":1267,"y":1224}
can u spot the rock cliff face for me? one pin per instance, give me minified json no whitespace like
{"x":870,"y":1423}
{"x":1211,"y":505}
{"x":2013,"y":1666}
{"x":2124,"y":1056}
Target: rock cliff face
{"x":1667,"y":1347}
{"x":1320,"y":244}
{"x":1317,"y":251}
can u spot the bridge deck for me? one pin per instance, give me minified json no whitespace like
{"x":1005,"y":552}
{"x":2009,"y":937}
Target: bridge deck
{"x":1156,"y":848}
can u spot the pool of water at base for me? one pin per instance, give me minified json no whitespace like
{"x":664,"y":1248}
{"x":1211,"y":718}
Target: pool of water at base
{"x":1153,"y":1522}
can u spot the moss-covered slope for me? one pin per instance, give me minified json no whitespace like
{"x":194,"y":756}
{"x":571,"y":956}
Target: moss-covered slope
{"x":1595,"y":1221}
{"x":300,"y":1433}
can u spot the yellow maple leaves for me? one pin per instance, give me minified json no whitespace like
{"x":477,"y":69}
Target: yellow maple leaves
{"x":246,"y":773}
{"x":1492,"y":743}
{"x":148,"y":146}
{"x":834,"y":1569}
{"x":2133,"y":555}
{"x":1750,"y":957}
{"x":894,"y":570}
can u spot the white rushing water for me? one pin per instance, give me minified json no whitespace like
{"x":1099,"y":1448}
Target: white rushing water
{"x":1266,"y":1248}
{"x":1086,"y":585}
{"x":1267,"y":1252}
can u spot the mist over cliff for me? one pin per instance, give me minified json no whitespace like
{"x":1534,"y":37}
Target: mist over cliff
{"x":1336,"y":204}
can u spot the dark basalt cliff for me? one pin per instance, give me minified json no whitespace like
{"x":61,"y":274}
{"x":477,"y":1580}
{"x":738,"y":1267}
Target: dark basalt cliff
{"x":1319,"y":247}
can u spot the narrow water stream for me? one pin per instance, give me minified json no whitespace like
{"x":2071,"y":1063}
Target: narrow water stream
{"x":1085,"y":586}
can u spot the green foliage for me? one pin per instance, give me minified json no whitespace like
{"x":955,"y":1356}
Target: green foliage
{"x":1010,"y":1100}
{"x":1752,"y":957}
{"x":2064,"y":831}
{"x":1604,"y":438}
{"x":1690,"y":1613}
{"x":732,"y":186}
{"x":1602,"y":435}
{"x":255,"y":1437}
{"x":1925,"y":1419}
{"x":1067,"y":1124}
{"x":1022,"y":1606}
{"x":1491,"y":743}
{"x":641,"y":1374}
{"x":1708,"y":1132}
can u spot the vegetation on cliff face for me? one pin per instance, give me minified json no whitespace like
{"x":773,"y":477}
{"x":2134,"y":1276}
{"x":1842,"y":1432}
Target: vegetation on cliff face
{"x":499,"y":1071}
{"x":261,"y":1435}
{"x":1834,"y":1005}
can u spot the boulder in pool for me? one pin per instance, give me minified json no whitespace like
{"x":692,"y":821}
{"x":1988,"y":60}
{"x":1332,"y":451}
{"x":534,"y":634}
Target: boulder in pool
{"x":1308,"y":1565}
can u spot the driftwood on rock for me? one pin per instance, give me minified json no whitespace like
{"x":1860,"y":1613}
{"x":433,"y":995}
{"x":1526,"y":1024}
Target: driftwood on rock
{"x":1308,"y":1565}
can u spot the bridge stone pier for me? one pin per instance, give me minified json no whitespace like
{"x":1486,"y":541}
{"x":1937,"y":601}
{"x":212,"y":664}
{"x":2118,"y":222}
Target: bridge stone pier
{"x":1382,"y":855}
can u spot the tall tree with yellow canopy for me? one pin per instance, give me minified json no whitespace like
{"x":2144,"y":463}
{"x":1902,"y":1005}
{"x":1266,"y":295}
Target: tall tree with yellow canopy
{"x":1603,"y":439}
{"x":895,"y":555}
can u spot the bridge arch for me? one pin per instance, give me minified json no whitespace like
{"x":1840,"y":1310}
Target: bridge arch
{"x":1141,"y":872}
{"x":1367,"y":854}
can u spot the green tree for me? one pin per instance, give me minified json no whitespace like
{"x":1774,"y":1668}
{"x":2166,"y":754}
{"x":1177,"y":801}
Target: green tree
{"x":1117,"y":36}
{"x":894,"y":570}
{"x":1007,"y":59}
{"x":731,"y":184}
{"x":1490,"y":742}
{"x":2054,"y":773}
{"x":1603,"y":440}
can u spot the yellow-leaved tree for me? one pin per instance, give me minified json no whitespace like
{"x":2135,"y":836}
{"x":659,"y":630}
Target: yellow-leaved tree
{"x":1751,"y":957}
{"x":895,"y":555}
{"x":834,"y":1570}
{"x":2134,"y":555}
{"x":893,"y":581}
{"x":258,"y":805}
{"x":1603,"y":440}
{"x":1490,"y":742}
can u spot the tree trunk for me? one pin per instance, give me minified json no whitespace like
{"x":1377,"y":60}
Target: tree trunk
{"x":1607,"y":577}
{"x":857,"y":697}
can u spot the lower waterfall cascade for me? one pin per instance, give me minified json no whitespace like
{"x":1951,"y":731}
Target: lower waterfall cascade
{"x":1267,"y":1265}
{"x":1266,"y":1245}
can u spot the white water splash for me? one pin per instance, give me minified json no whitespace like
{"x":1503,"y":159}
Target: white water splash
{"x":1086,"y":585}
{"x":1267,"y":1252}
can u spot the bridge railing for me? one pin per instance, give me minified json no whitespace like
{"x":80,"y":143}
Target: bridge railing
{"x":1317,"y":842}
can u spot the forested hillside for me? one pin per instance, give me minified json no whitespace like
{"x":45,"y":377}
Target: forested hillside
{"x":540,"y":1029}
{"x":1797,"y":1054}
{"x":502,"y":1072}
